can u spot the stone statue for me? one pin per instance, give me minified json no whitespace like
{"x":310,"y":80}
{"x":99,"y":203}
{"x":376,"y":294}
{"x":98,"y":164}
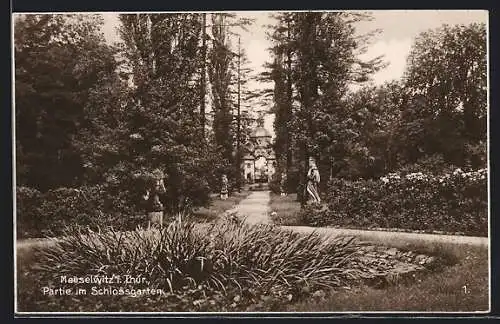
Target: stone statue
{"x":283,"y":190}
{"x":313,"y":180}
{"x":154,"y":207}
{"x":224,"y":189}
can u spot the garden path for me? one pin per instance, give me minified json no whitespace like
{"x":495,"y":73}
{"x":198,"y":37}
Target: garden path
{"x":394,"y":237}
{"x":254,"y":208}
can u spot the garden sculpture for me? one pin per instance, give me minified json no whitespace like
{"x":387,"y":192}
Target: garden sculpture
{"x":224,"y":189}
{"x":283,"y":184}
{"x":154,"y":207}
{"x":313,"y":180}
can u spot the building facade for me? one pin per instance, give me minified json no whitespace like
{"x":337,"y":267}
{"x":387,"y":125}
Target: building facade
{"x":259,"y":160}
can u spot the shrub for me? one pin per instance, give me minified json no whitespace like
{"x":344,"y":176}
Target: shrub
{"x":454,"y":203}
{"x":291,"y":184}
{"x":47,"y":214}
{"x":293,"y":181}
{"x":29,"y":217}
{"x":476,"y":153}
{"x":431,"y":165}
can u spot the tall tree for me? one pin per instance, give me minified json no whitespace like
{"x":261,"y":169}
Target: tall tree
{"x":372,"y":117}
{"x":59,"y":61}
{"x":447,"y":66}
{"x":322,"y":57}
{"x":220,"y":74}
{"x":163,"y":54}
{"x":281,"y":74}
{"x":228,"y":77}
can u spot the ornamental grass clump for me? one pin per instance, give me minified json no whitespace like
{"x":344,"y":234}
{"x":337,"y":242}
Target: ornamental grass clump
{"x":269,"y":258}
{"x":165,"y":258}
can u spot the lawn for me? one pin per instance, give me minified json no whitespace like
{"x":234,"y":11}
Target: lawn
{"x":287,"y":209}
{"x":459,"y":287}
{"x":218,"y":206}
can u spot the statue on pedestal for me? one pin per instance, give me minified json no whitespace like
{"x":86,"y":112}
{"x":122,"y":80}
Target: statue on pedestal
{"x":224,"y":192}
{"x":283,"y":190}
{"x":154,"y":187}
{"x":313,"y":180}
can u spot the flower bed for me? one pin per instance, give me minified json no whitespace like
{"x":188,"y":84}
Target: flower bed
{"x":453,"y":203}
{"x":224,"y":267}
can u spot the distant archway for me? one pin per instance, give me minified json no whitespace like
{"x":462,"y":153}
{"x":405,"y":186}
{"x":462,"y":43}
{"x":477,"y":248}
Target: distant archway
{"x":258,"y":162}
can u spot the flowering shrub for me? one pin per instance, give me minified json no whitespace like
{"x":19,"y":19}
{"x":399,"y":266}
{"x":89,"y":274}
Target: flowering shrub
{"x":455,"y":202}
{"x":47,"y":214}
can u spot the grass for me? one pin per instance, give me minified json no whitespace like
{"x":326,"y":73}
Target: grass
{"x":218,"y":206}
{"x":442,"y":290}
{"x":287,"y":209}
{"x":437,"y":290}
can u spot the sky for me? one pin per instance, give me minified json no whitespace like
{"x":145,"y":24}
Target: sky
{"x":398,"y":31}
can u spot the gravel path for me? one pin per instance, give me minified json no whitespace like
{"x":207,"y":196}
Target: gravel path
{"x":391,"y":237}
{"x":254,"y":208}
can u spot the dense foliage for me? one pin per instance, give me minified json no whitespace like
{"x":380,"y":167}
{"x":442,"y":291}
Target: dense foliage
{"x":60,"y":61}
{"x":93,"y":114}
{"x":48,"y":213}
{"x":455,"y":202}
{"x":163,"y":127}
{"x":315,"y":59}
{"x":448,"y":66}
{"x":98,"y":118}
{"x":437,"y":109}
{"x":430,"y":123}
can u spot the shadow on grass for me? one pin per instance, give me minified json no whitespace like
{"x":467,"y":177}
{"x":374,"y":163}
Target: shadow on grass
{"x":218,"y":206}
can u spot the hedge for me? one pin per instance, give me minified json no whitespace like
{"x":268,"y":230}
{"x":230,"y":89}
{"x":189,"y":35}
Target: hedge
{"x":453,"y":203}
{"x":49,"y":213}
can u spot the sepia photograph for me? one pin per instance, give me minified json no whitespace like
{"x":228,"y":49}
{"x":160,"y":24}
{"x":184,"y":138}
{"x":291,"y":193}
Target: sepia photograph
{"x":251,"y":162}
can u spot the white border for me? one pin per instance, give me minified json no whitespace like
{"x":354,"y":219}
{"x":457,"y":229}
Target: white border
{"x":488,"y":146}
{"x":291,"y":315}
